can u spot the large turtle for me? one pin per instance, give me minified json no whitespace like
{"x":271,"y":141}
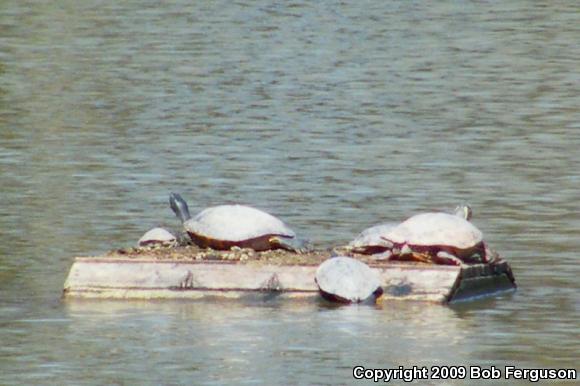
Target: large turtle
{"x":438,"y":238}
{"x":346,"y":280}
{"x":225,"y":226}
{"x":371,"y":241}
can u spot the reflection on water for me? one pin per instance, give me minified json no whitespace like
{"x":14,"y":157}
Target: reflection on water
{"x":185,"y":338}
{"x":329,"y":115}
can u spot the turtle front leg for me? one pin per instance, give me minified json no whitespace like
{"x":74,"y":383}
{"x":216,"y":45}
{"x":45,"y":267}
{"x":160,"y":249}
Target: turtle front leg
{"x":409,"y":254}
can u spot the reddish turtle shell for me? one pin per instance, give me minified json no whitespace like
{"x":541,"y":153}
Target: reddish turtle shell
{"x":226,"y":226}
{"x":372,"y":241}
{"x":222,"y":227}
{"x":432,"y":235}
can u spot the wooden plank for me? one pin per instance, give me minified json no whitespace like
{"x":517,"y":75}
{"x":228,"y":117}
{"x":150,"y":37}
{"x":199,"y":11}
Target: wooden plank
{"x":180,"y":275}
{"x":150,"y":278}
{"x":408,"y":281}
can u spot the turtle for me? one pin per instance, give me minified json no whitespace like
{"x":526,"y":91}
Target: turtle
{"x":343,"y":279}
{"x":157,"y":236}
{"x":370,"y":241}
{"x":439,"y":238}
{"x":225,"y":226}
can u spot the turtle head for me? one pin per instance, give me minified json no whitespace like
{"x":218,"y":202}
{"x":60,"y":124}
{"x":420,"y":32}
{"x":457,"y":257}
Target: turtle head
{"x":464,"y":211}
{"x":292,"y":244}
{"x":179,"y":207}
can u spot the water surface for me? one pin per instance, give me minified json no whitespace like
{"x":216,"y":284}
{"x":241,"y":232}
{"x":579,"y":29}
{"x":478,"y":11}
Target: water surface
{"x":332,"y":116}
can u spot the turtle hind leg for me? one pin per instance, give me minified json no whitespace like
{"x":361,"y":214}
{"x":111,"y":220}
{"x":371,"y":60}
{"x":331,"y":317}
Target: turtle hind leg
{"x":450,"y":259}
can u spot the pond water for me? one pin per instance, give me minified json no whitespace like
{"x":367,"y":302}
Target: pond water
{"x":331,"y":115}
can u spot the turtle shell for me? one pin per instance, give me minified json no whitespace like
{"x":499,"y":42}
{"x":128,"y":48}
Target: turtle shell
{"x":436,"y":229}
{"x":371,"y":241}
{"x":347,"y":280}
{"x":433,"y":232}
{"x":157,"y":236}
{"x":222,"y":227}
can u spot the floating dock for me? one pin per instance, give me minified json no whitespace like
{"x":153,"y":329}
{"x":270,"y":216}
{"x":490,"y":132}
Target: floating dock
{"x":190,"y":273}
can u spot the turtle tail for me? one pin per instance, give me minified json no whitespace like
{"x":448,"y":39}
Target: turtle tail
{"x":179,"y":207}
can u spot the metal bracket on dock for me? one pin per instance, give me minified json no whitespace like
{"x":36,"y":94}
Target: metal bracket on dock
{"x":272,"y":284}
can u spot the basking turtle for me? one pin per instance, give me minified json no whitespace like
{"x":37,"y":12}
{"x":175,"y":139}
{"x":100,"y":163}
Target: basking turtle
{"x":371,"y":241}
{"x":157,"y":236}
{"x":346,"y":280}
{"x":438,"y":238}
{"x":225,"y":226}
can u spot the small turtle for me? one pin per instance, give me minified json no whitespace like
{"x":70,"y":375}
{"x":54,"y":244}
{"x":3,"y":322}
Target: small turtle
{"x":346,"y":280}
{"x":225,"y":226}
{"x":157,"y":236}
{"x":438,"y":238}
{"x":371,"y":241}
